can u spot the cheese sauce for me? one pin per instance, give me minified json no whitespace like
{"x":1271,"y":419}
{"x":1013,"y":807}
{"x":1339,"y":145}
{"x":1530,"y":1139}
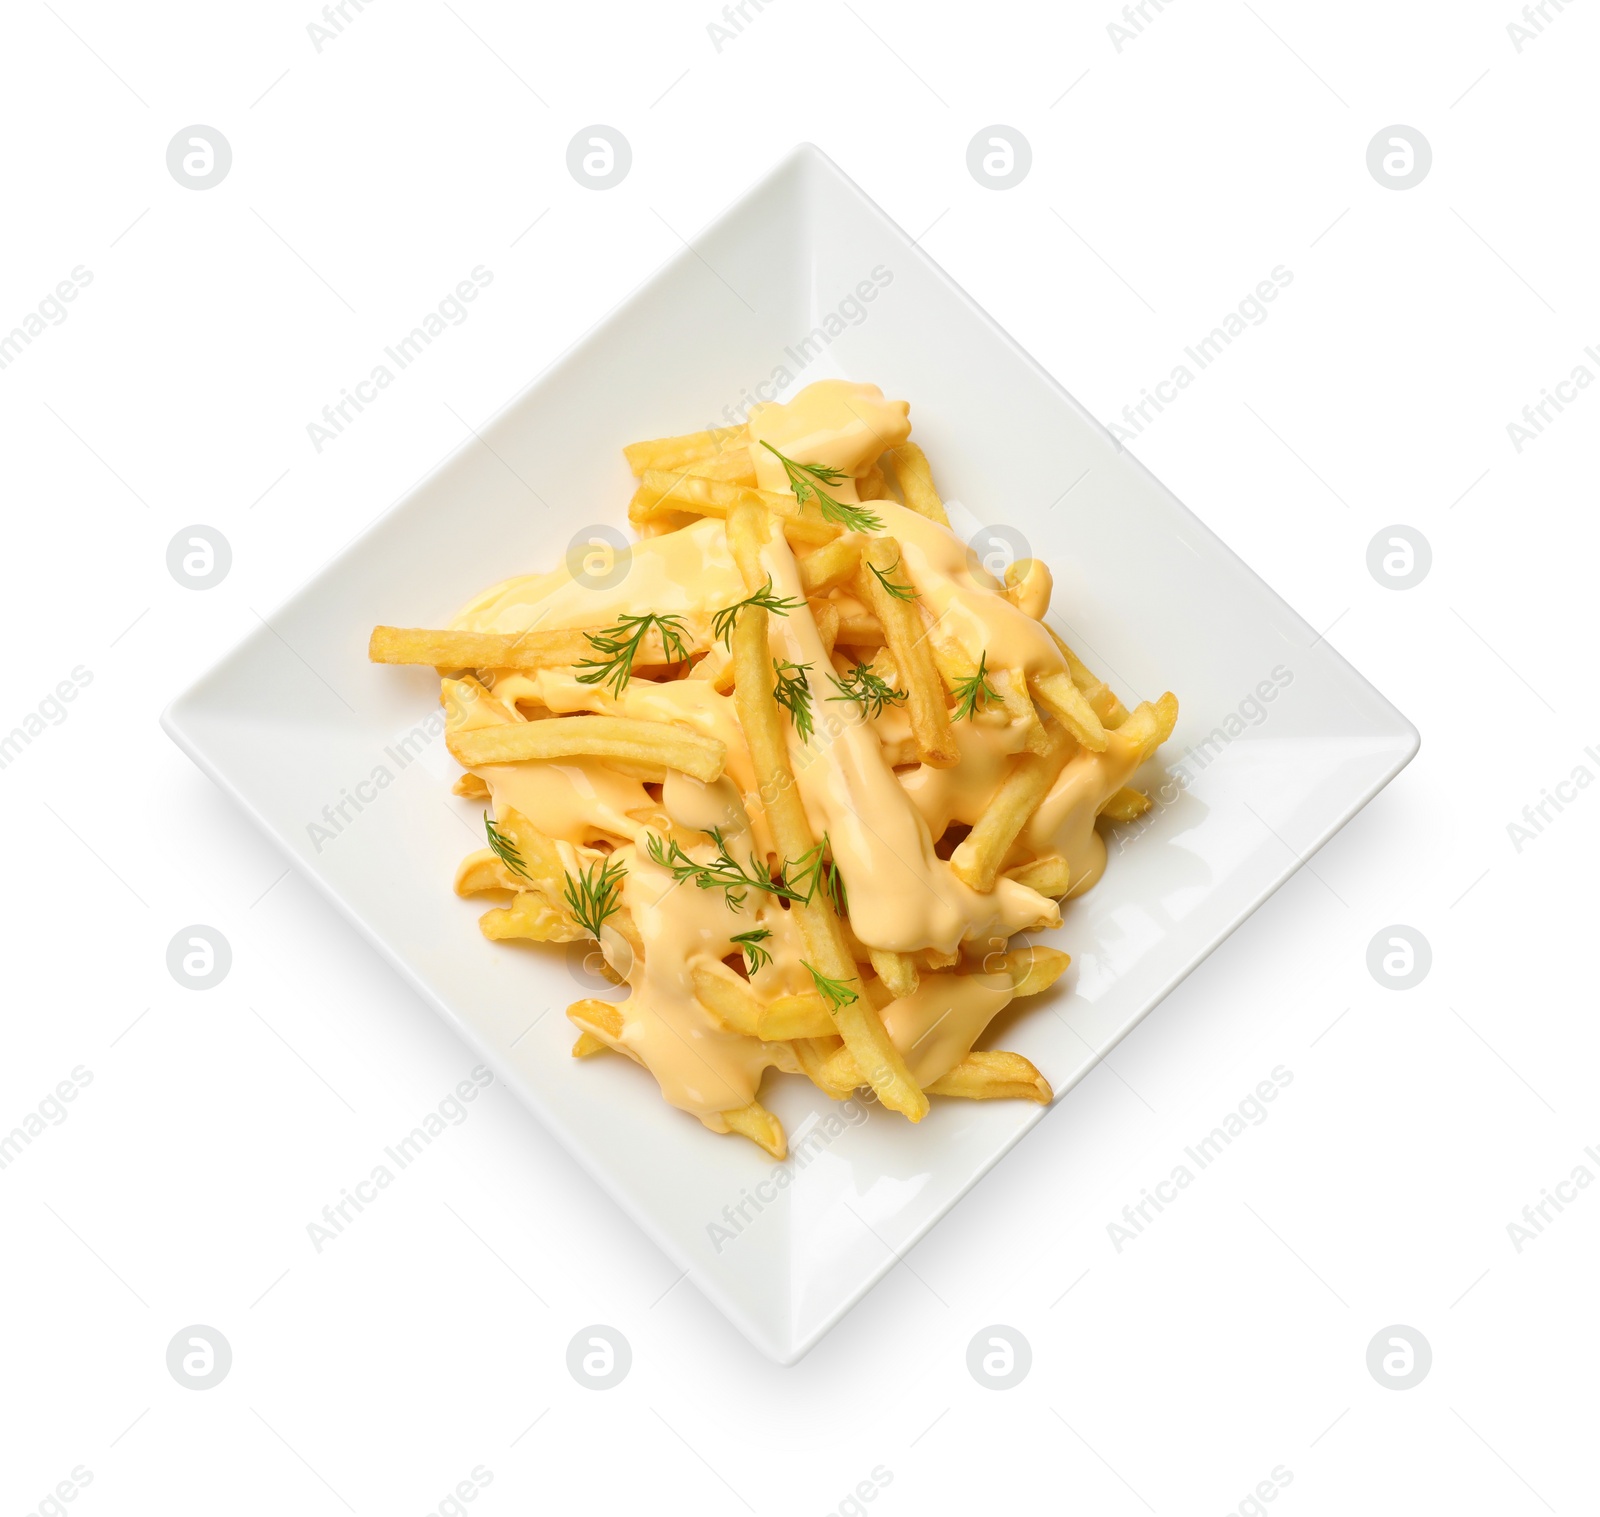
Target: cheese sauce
{"x":882,"y":824}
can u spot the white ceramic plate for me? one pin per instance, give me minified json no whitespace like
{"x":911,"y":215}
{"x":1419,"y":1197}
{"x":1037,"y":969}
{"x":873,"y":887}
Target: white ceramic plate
{"x":768,"y":299}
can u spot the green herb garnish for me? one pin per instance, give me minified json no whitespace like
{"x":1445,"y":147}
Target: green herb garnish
{"x":794,"y":694}
{"x":620,"y":644}
{"x":754,"y":954}
{"x":806,"y":480}
{"x":868,"y":689}
{"x":505,"y":847}
{"x":595,"y":894}
{"x":722,"y":622}
{"x":972,"y":689}
{"x":894,"y":587}
{"x":836,"y":993}
{"x":724,"y":872}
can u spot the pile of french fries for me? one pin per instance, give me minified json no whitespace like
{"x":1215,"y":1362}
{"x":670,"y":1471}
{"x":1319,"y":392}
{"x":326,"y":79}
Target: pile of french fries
{"x":845,"y":1028}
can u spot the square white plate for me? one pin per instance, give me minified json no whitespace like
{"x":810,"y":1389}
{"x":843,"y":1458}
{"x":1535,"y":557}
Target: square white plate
{"x":768,"y":299}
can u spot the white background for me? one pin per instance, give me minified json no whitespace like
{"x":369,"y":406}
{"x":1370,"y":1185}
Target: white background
{"x":1168,"y":178}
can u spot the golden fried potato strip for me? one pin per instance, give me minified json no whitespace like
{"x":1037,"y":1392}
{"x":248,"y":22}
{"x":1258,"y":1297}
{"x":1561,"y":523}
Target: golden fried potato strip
{"x":831,"y":564}
{"x":532,"y":917}
{"x":1049,"y":876}
{"x":907,"y":635}
{"x":659,"y":491}
{"x":979,"y":855}
{"x":989,"y":1075}
{"x":916,"y":482}
{"x":691,"y":447}
{"x":534,"y":649}
{"x":857,"y":1020}
{"x":1125,"y":805}
{"x":607,"y":737}
{"x":758,"y":1124}
{"x":1055,"y":691}
{"x":1101,"y":697}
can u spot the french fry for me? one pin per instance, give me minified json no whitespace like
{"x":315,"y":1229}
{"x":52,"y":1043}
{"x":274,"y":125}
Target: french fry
{"x":871,"y":485}
{"x":826,"y":615}
{"x":1050,"y":876}
{"x":660,"y":491}
{"x":896,"y":971}
{"x":916,"y":482}
{"x":1057,"y":693}
{"x":1101,"y":697}
{"x":607,"y":737}
{"x":1029,"y":584}
{"x":675,"y":452}
{"x":471,"y":787}
{"x":906,"y":634}
{"x":860,"y":632}
{"x":1125,"y":805}
{"x":758,"y":1124}
{"x":780,"y":1020}
{"x":1013,"y":687}
{"x":979,"y":855}
{"x":534,"y":649}
{"x":1033,"y":969}
{"x":601,"y":1021}
{"x":939,"y":959}
{"x":483,"y":871}
{"x":532,"y":917}
{"x":588,"y":1045}
{"x":732,"y":465}
{"x":857,"y":1021}
{"x":832,"y":564}
{"x":994,"y":1076}
{"x":812,"y":1057}
{"x":1150,"y":724}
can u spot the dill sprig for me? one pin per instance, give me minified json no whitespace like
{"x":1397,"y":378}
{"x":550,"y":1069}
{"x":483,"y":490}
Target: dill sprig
{"x":894,"y":587}
{"x":505,"y":848}
{"x":620,"y":644}
{"x":750,"y":943}
{"x":807,"y":480}
{"x":833,"y":883}
{"x":868,"y":689}
{"x":794,"y":694}
{"x":969,"y":691}
{"x":595,"y":893}
{"x":816,"y":867}
{"x":724,"y":872}
{"x":836,"y":993}
{"x":722,"y":622}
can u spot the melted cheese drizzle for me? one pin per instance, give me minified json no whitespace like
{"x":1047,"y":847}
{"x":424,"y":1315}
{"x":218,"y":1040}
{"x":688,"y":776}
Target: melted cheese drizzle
{"x":882,"y":824}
